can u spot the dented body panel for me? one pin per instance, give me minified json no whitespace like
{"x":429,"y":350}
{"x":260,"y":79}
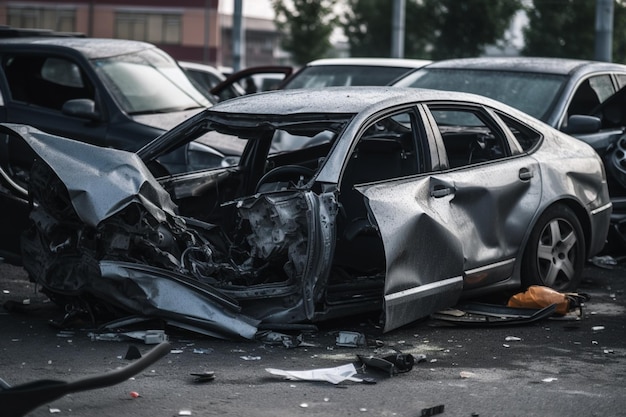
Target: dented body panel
{"x":390,"y":200}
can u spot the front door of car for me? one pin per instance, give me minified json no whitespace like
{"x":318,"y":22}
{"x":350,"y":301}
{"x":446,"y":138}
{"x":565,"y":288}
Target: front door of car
{"x":39,"y":86}
{"x":393,"y":226}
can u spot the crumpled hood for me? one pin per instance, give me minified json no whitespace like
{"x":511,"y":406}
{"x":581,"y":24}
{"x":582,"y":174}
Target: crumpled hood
{"x":100,"y":181}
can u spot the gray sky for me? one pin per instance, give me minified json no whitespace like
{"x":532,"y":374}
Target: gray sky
{"x":251,"y":8}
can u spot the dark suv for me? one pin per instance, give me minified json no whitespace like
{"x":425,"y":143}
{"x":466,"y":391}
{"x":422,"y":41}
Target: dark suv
{"x":108,"y":92}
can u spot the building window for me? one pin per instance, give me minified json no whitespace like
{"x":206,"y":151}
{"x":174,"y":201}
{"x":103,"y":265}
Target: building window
{"x":149,"y":27}
{"x":57,"y":19}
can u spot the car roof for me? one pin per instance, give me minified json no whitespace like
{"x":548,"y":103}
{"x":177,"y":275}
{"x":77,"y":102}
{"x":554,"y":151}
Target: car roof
{"x":336,"y":100}
{"x":89,"y":47}
{"x":201,"y":67}
{"x":561,"y":66}
{"x":378,"y":62}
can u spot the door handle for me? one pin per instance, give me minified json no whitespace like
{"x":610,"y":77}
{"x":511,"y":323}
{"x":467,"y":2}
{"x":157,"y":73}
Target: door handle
{"x":525,"y":174}
{"x":440,"y":190}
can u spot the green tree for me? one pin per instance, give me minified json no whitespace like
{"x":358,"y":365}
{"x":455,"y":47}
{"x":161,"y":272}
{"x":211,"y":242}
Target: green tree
{"x":566,"y":29}
{"x":560,"y":28}
{"x":306,"y":26}
{"x":434,"y":29}
{"x":465,"y":28}
{"x":368,"y":24}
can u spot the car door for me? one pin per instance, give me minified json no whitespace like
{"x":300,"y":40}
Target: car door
{"x":491,"y":188}
{"x":40,"y":84}
{"x":422,"y":257}
{"x":459,"y":228}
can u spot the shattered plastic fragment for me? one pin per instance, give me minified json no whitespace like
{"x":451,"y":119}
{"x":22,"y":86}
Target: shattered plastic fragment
{"x":512,"y":339}
{"x":184,"y":413}
{"x":607,"y":262}
{"x":132,"y":353}
{"x":427,"y":412}
{"x":149,"y":337}
{"x":549,"y":379}
{"x":134,"y":394}
{"x":465,"y":374}
{"x":392,"y":364}
{"x":250,"y":358}
{"x":204,"y":376}
{"x":202,"y":351}
{"x":350,"y":339}
{"x":597,"y":328}
{"x":304,"y":405}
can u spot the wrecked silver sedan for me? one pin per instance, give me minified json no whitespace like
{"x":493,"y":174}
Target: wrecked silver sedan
{"x":342,"y":202}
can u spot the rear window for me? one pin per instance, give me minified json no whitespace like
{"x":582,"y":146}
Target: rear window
{"x":344,"y":75}
{"x":532,"y":93}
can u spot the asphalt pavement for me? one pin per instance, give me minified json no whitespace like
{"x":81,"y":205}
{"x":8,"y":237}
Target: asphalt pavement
{"x":551,"y":367}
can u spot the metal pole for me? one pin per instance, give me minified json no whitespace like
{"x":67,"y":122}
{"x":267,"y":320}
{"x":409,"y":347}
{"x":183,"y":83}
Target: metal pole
{"x":397,"y":24}
{"x":604,"y":30}
{"x":238,"y":37}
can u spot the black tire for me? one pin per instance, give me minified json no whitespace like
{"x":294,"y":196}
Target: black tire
{"x":555,"y":254}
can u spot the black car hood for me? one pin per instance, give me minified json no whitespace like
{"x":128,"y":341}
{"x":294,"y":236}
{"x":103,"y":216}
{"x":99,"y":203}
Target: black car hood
{"x":165,"y":121}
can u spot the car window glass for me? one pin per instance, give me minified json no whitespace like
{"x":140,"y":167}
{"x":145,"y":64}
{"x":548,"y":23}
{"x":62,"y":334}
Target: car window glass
{"x":344,"y":75}
{"x":387,"y":149}
{"x":467,"y":137}
{"x":589,"y":94}
{"x":621,"y":80}
{"x":526,"y":137}
{"x":132,"y":78}
{"x":62,"y":72}
{"x":45,"y":81}
{"x":212,"y":149}
{"x":603,"y":86}
{"x":533,"y":93}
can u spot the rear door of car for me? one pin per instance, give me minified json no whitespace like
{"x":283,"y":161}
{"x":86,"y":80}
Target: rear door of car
{"x":490,"y":191}
{"x":422,"y":256}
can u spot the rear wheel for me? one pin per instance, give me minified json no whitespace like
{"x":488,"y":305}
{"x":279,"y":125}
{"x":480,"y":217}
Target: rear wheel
{"x":554,"y":255}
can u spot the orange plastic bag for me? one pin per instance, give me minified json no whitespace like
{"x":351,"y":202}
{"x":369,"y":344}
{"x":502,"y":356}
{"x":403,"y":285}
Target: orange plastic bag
{"x":537,"y":296}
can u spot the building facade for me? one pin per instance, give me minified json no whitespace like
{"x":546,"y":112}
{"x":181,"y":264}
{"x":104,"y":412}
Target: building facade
{"x":189,"y":30}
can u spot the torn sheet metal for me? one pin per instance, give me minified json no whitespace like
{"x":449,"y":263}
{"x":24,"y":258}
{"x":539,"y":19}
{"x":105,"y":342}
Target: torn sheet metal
{"x":153,"y":292}
{"x":485,"y":315}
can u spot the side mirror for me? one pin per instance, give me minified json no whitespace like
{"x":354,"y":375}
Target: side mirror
{"x":81,"y":107}
{"x":580,"y":124}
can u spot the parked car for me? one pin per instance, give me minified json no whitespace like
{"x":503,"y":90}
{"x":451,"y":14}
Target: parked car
{"x":222,"y":87}
{"x":575,"y":96}
{"x":208,"y":77}
{"x":108,"y":92}
{"x":398,"y":200}
{"x":333,"y":72}
{"x":100,"y":91}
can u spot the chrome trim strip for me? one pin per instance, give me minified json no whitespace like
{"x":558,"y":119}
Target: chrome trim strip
{"x":490,"y":266}
{"x":599,"y":209}
{"x":423,"y":288}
